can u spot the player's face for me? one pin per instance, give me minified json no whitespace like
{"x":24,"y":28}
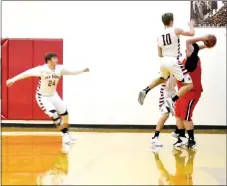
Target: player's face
{"x":171,"y":23}
{"x":54,"y":61}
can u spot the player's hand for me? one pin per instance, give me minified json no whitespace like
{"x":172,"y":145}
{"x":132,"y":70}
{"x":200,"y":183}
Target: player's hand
{"x":9,"y":82}
{"x":86,"y":70}
{"x":206,"y":37}
{"x":191,"y":23}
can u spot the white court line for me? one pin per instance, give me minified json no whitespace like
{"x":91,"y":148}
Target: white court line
{"x":31,"y":134}
{"x":28,"y":121}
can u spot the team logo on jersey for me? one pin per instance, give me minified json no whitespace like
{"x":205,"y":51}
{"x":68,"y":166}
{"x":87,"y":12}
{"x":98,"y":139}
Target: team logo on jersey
{"x":52,"y":77}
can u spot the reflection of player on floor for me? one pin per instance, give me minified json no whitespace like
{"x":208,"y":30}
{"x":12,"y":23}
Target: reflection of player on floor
{"x":184,"y":169}
{"x":46,"y":94}
{"x":169,"y":52}
{"x":167,"y":90}
{"x":57,"y":174}
{"x":185,"y":105}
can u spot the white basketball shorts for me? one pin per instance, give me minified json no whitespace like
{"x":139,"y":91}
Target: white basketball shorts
{"x":48,"y":103}
{"x":171,"y":65}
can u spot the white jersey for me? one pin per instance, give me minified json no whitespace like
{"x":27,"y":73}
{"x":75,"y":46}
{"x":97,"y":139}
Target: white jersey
{"x":48,"y":78}
{"x":169,"y":42}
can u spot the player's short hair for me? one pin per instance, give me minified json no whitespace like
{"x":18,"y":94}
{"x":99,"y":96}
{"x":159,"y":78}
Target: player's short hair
{"x":49,"y":55}
{"x":166,"y":18}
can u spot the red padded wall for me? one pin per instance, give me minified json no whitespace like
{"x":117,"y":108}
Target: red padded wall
{"x":4,"y":69}
{"x":20,"y":56}
{"x":41,"y":47}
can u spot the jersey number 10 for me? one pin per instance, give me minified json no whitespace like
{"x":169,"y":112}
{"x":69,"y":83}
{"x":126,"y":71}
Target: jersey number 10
{"x":166,"y":39}
{"x":50,"y":83}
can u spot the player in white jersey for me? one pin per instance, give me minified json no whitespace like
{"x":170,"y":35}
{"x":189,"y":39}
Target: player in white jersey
{"x":167,"y":90}
{"x":169,"y":53}
{"x":46,"y":94}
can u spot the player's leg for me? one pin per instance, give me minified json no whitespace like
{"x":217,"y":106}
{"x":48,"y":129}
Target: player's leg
{"x":181,"y":74}
{"x":48,"y":108}
{"x":155,"y":139}
{"x":175,"y":133}
{"x":164,"y":116}
{"x":181,"y":140}
{"x":179,"y":109}
{"x":157,"y":81}
{"x":63,"y":112}
{"x":188,"y":123}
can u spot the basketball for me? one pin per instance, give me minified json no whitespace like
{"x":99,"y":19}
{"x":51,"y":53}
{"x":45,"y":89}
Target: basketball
{"x":211,"y":41}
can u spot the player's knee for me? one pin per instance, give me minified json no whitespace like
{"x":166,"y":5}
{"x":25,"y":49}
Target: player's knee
{"x":163,"y":79}
{"x":65,"y":113}
{"x":189,"y":85}
{"x":55,"y":117}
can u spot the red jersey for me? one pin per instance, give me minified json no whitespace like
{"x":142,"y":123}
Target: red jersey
{"x":196,"y":79}
{"x":193,"y":66}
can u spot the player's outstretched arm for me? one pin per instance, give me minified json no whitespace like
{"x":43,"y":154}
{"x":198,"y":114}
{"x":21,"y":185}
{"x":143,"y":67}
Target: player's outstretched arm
{"x":182,"y":32}
{"x":73,"y":72}
{"x":190,"y":42}
{"x":34,"y":72}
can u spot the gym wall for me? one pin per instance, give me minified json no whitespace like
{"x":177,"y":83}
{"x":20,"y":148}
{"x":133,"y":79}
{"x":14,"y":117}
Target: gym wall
{"x":117,"y":41}
{"x":19,"y":55}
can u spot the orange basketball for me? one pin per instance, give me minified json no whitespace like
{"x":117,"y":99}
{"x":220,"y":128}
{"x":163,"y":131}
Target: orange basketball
{"x":211,"y":41}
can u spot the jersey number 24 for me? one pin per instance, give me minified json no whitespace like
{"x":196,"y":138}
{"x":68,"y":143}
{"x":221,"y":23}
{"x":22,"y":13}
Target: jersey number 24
{"x":166,"y":39}
{"x":50,"y":83}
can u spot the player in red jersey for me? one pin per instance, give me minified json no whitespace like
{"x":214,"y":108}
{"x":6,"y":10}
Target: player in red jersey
{"x":185,"y":105}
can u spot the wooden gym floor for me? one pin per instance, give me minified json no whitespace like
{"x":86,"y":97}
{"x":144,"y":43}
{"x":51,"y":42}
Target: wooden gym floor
{"x":110,"y":158}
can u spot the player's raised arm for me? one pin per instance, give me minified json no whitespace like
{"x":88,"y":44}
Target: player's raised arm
{"x":159,"y":48}
{"x":66,"y":71}
{"x":190,"y":44}
{"x":34,"y":72}
{"x":182,"y":32}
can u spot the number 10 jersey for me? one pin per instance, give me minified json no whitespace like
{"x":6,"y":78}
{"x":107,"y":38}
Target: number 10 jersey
{"x":169,"y":42}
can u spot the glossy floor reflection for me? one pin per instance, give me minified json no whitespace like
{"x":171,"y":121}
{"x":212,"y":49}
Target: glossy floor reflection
{"x":111,"y":158}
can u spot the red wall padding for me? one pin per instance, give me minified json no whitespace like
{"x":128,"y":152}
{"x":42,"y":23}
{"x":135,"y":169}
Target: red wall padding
{"x":18,"y":101}
{"x":20,"y":94}
{"x":40,"y":49}
{"x":4,"y":44}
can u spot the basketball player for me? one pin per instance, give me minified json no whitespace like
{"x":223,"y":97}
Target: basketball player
{"x":46,"y":94}
{"x":185,"y":105}
{"x":169,"y":52}
{"x":167,"y":90}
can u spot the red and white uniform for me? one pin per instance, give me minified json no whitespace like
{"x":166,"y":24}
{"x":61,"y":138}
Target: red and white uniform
{"x":167,"y":90}
{"x":169,"y":42}
{"x":185,"y":105}
{"x":46,"y":94}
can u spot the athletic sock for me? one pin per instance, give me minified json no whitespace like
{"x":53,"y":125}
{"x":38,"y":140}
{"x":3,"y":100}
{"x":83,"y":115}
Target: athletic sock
{"x":191,"y":134}
{"x":65,"y":130}
{"x":147,"y":90}
{"x":182,"y":132}
{"x":176,"y":130}
{"x":175,"y":98}
{"x":156,"y":134}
